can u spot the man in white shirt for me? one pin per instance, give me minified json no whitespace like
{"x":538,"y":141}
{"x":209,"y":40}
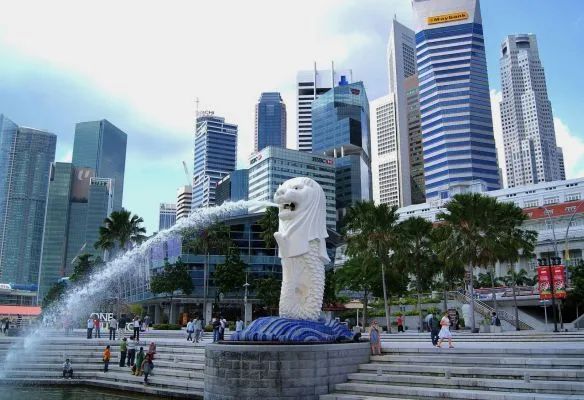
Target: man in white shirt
{"x":113,"y":326}
{"x":136,"y":328}
{"x":89,"y":327}
{"x":238,"y":325}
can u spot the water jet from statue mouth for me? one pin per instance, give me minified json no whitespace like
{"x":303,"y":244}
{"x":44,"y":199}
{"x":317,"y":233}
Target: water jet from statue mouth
{"x":289,"y":206}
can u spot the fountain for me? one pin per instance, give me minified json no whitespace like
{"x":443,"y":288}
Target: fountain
{"x":295,"y":355}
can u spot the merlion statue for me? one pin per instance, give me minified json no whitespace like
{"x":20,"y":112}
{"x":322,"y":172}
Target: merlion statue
{"x":301,"y":244}
{"x":302,"y":248}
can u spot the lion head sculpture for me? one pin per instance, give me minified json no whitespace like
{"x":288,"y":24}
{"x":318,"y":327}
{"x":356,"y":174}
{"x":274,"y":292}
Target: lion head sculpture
{"x":302,"y":215}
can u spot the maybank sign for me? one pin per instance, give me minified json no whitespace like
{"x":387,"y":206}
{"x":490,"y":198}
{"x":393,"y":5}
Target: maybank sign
{"x":442,"y":19}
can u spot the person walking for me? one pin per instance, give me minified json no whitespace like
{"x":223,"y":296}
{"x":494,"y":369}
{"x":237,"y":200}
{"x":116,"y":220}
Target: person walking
{"x":6,"y":326}
{"x":216,"y":324}
{"x":445,"y":331}
{"x":190,"y":330}
{"x":123,"y":352}
{"x":238,"y":325}
{"x":136,"y":325}
{"x":400,"y":323}
{"x":113,"y":327}
{"x":67,"y":369}
{"x":97,"y":326}
{"x":89,"y":327}
{"x":434,"y":326}
{"x":147,"y":367}
{"x":222,"y":327}
{"x":198,"y":328}
{"x":152,"y":349}
{"x":106,"y":358}
{"x":375,"y":338}
{"x":131,"y":351}
{"x":146,"y":323}
{"x":137,"y":370}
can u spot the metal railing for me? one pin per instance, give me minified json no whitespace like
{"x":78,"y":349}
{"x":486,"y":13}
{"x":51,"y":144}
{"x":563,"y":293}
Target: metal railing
{"x":487,"y":311}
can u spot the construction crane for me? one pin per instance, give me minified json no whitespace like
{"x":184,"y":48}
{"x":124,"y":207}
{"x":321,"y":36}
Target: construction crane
{"x":187,"y":173}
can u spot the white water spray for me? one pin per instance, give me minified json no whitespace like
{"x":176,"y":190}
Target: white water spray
{"x":79,"y":301}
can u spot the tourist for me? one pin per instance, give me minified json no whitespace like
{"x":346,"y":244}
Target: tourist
{"x":238,"y":325}
{"x":434,"y":326}
{"x":137,"y":370}
{"x":106,"y":358}
{"x":89,"y":327}
{"x":113,"y":326}
{"x":400,"y":323}
{"x":495,"y":321}
{"x":445,"y":331}
{"x":6,"y":326}
{"x":152,"y":349}
{"x":96,"y":326}
{"x":136,"y":325}
{"x":457,"y":320}
{"x":190,"y":329}
{"x":147,"y":367}
{"x":132,"y":351}
{"x":222,"y":327}
{"x":198,"y":327}
{"x":123,"y":352}
{"x":216,"y":324}
{"x":67,"y":369}
{"x":146,"y":323}
{"x":375,"y":338}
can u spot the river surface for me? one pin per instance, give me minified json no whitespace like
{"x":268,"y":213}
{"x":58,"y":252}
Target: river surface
{"x":66,"y":393}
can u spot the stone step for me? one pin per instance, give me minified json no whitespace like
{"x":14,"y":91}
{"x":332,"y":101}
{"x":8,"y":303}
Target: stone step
{"x":98,"y":361}
{"x":473,"y":360}
{"x":500,"y":385}
{"x":413,"y":392}
{"x":435,"y":369}
{"x":198,"y":358}
{"x":492,"y":352}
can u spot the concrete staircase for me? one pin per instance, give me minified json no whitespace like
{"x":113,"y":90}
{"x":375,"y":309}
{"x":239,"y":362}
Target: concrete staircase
{"x":178,"y":372}
{"x":477,"y":372}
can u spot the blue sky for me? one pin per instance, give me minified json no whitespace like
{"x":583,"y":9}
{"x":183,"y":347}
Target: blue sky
{"x":141,"y":65}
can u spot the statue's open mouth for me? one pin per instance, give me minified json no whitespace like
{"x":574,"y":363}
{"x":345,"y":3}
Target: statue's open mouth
{"x":289,"y":206}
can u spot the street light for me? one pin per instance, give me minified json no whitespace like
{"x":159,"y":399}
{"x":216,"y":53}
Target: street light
{"x":246,"y":286}
{"x":548,"y":265}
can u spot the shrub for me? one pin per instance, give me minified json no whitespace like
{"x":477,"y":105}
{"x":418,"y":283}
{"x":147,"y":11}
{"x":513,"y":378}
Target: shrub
{"x":167,"y":327}
{"x":208,"y":328}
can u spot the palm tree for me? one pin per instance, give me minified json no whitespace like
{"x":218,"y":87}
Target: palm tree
{"x":414,"y":251}
{"x":120,"y":230}
{"x":269,"y":223}
{"x":214,"y":238}
{"x":467,"y":235}
{"x":372,"y":228}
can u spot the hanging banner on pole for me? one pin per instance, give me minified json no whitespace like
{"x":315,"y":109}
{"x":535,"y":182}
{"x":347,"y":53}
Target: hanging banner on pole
{"x":545,"y":283}
{"x":559,"y":275}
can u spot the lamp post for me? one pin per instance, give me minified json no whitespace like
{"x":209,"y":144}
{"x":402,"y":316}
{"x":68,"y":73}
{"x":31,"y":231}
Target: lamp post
{"x":246,"y":286}
{"x":567,"y":255}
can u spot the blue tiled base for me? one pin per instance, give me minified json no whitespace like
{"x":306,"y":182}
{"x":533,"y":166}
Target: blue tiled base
{"x":276,"y":329}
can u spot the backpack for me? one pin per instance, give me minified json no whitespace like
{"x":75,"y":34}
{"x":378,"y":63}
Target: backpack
{"x":497,"y":321}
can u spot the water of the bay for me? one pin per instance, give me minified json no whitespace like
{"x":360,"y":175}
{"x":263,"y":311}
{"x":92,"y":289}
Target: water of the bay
{"x":67,"y":393}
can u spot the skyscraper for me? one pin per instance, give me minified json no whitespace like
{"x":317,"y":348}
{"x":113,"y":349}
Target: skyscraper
{"x":310,"y":85}
{"x":416,"y":150}
{"x":455,"y":108}
{"x":233,"y":187}
{"x":166,"y":216}
{"x":340,"y":121}
{"x":184,"y":201}
{"x":215,"y":156}
{"x":270,"y":121}
{"x":26,"y":155}
{"x":531,"y":154}
{"x":101,"y":146}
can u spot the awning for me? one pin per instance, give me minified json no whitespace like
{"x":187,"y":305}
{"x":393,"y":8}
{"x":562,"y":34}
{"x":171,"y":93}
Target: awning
{"x":25,"y":311}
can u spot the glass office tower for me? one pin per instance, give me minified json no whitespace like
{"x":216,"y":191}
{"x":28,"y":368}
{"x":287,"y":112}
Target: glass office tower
{"x":340,"y":129}
{"x":26,"y":155}
{"x":455,"y":106}
{"x":215,"y":156}
{"x":101,"y":146}
{"x":270,"y":121}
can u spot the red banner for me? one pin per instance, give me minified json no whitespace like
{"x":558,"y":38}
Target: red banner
{"x":559,"y":276}
{"x":545,"y":283}
{"x":545,"y":277}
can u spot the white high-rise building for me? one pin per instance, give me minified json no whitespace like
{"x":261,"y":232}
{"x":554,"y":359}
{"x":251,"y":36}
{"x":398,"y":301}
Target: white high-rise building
{"x":391,"y":117}
{"x":311,"y":84}
{"x":184,"y":201}
{"x":531,"y":154}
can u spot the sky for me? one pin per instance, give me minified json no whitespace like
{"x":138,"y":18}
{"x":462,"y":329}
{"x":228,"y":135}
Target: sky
{"x":142,"y":64}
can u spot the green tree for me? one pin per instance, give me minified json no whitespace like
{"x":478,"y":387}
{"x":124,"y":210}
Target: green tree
{"x":229,"y":277}
{"x":213,"y":239}
{"x":120,"y":230}
{"x":83,"y":266}
{"x":487,"y":280}
{"x":171,"y":279}
{"x":54,"y":294}
{"x":269,"y":224}
{"x":360,"y":274}
{"x":576,"y":295}
{"x":330,"y":288}
{"x":268,"y":292}
{"x":414,"y":252}
{"x":370,"y":228}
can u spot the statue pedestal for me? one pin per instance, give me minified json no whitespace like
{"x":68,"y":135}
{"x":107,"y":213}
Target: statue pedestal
{"x":240,"y":370}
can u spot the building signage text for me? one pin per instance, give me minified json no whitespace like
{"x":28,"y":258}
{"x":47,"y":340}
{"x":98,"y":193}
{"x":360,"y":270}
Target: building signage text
{"x":444,"y":18}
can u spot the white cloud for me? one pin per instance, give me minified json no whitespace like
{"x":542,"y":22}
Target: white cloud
{"x":571,"y":143}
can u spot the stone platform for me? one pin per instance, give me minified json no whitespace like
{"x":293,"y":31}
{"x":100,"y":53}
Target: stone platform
{"x":279,"y":371}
